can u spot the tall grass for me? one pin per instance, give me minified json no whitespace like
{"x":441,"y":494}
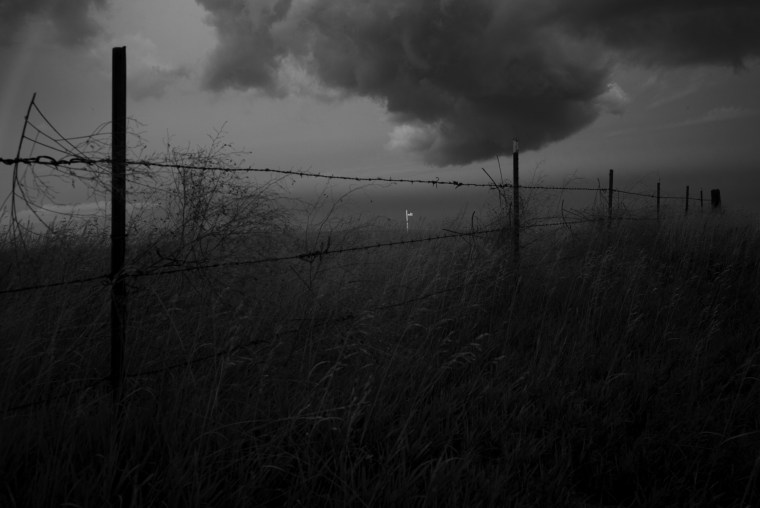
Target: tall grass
{"x":617,"y":367}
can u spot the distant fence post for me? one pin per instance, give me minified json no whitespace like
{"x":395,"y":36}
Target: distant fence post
{"x":609,"y":198}
{"x":687,"y":199}
{"x":715,"y":199}
{"x":701,"y":200}
{"x":118,"y":217}
{"x":658,"y":200}
{"x":516,"y":200}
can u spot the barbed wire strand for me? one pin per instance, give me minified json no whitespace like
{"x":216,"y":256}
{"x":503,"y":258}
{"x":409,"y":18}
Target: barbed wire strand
{"x":434,"y":182}
{"x":389,"y":179}
{"x":57,"y":141}
{"x":306,"y":256}
{"x":87,"y":136}
{"x":45,"y":145}
{"x":278,"y":334}
{"x":42,"y":159}
{"x":57,"y":132}
{"x":340,"y":319}
{"x":631,"y":193}
{"x":302,"y":256}
{"x":653,"y":196}
{"x":229,"y":351}
{"x":50,"y":161}
{"x":54,"y":284}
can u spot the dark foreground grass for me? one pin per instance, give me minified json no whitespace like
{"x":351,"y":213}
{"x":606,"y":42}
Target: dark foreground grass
{"x":617,"y":367}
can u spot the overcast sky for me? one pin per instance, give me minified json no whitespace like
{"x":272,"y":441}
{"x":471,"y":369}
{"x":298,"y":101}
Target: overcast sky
{"x":419,"y":88}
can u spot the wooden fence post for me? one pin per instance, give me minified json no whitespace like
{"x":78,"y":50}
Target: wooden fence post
{"x":118,"y":217}
{"x":516,"y":200}
{"x":715,"y":199}
{"x":687,"y":199}
{"x":701,"y":200}
{"x":658,"y":200}
{"x":609,"y":199}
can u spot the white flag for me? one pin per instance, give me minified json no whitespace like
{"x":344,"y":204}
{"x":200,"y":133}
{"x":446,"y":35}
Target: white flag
{"x":409,"y":214}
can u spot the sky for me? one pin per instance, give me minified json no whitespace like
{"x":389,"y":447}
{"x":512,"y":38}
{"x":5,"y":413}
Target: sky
{"x":656,"y":89}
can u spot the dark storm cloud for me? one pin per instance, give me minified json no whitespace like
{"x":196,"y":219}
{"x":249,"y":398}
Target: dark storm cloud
{"x":462,"y":77}
{"x":69,"y":20}
{"x":669,"y":32}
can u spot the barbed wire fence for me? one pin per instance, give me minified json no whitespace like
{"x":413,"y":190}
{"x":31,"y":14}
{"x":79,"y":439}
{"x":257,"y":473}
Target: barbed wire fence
{"x":80,"y":159}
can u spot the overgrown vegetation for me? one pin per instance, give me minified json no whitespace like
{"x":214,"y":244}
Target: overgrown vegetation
{"x":617,"y":367}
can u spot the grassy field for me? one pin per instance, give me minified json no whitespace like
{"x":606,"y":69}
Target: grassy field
{"x":617,"y":367}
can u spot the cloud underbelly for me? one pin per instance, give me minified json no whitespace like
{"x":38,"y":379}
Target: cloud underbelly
{"x":461,"y":78}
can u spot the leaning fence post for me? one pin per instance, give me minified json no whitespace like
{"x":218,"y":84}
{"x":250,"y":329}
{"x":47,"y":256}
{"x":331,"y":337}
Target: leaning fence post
{"x":658,"y":200}
{"x":118,"y":217}
{"x":609,"y":199}
{"x":516,"y":200}
{"x":14,"y":222}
